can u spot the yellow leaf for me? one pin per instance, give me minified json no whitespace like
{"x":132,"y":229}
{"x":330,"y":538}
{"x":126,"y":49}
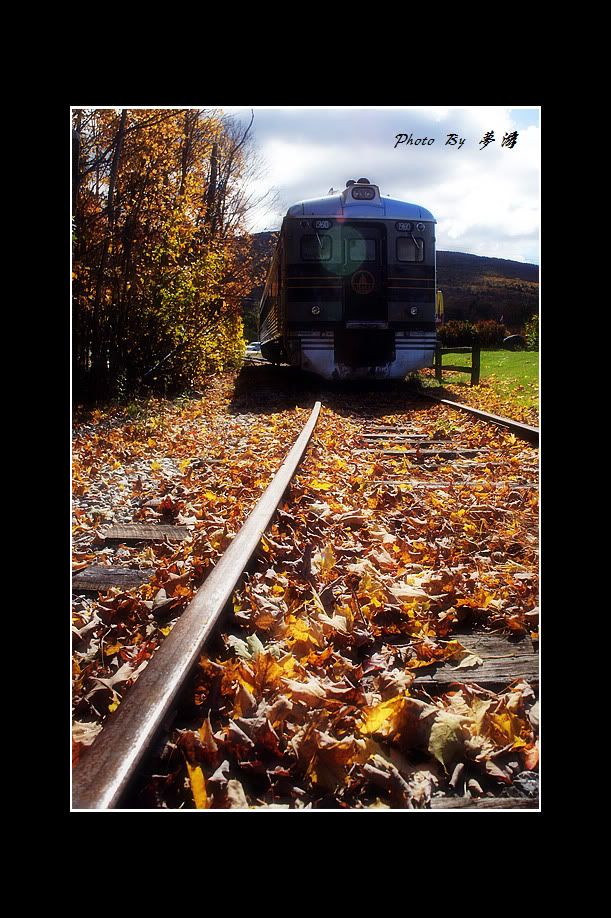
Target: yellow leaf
{"x":165,"y":631}
{"x":155,"y":465}
{"x":320,"y":485}
{"x":114,"y":648}
{"x":299,"y":637}
{"x":114,"y":704}
{"x":507,"y":729}
{"x":198,"y":787}
{"x":383,"y":717}
{"x":324,"y":561}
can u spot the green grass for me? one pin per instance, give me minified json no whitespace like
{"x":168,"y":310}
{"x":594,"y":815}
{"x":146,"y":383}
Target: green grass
{"x":512,"y":375}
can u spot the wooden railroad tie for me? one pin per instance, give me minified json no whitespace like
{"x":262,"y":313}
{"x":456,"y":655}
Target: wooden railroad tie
{"x":413,"y":485}
{"x":503,"y":662}
{"x":424,"y":453}
{"x":145,"y":532}
{"x":485,"y":803}
{"x":98,"y":577}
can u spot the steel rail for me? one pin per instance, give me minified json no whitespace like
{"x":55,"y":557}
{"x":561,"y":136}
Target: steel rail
{"x":104,"y":774}
{"x":525,"y":431}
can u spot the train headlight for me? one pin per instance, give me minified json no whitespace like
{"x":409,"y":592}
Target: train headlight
{"x":315,"y":310}
{"x":414,"y":311}
{"x":420,"y":227}
{"x":363,"y":193}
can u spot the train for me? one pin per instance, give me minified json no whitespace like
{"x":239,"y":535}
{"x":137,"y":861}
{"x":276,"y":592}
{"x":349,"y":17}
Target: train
{"x":351,"y":290}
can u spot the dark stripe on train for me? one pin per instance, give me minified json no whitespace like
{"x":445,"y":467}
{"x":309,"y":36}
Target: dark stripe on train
{"x":398,"y":325}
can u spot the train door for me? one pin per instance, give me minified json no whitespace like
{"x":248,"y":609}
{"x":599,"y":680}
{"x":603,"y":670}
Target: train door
{"x":365,"y":300}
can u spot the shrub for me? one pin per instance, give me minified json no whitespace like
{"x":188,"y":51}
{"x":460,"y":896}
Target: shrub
{"x":457,"y":334}
{"x":490,"y":333}
{"x":487,"y":333}
{"x":531,"y":333}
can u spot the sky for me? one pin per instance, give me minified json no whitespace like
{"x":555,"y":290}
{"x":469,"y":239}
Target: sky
{"x":485,"y":198}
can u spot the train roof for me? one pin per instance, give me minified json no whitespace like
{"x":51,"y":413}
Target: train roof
{"x":345,"y":204}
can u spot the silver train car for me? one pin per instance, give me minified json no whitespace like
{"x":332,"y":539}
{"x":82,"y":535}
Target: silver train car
{"x":351,"y":289}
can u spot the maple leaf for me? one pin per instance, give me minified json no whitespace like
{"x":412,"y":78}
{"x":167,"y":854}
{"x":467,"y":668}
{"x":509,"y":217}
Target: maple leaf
{"x":311,"y":691}
{"x":332,"y":757}
{"x":505,"y":727}
{"x":301,"y":637}
{"x":383,"y":718}
{"x":402,"y":718}
{"x":447,"y":736}
{"x":241,"y":647}
{"x":125,"y":672}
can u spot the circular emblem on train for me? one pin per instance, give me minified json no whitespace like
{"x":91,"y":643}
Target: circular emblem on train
{"x":362,"y":282}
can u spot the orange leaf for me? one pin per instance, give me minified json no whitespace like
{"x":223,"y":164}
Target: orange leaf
{"x":531,"y":757}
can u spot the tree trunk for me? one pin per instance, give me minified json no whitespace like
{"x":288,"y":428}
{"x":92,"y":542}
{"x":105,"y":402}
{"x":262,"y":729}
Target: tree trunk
{"x":211,"y":203}
{"x":99,"y":355}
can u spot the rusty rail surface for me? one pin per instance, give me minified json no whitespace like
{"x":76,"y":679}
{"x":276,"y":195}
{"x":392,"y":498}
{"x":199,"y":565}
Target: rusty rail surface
{"x":103,"y":776}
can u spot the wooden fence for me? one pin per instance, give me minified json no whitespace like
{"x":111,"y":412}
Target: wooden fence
{"x":474,"y":369}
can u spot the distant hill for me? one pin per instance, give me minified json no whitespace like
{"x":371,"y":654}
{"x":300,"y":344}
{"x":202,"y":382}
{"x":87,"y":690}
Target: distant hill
{"x":474,"y":287}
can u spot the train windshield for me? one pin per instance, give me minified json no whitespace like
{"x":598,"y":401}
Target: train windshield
{"x":316,"y":248}
{"x":410,"y":249}
{"x":362,"y":250}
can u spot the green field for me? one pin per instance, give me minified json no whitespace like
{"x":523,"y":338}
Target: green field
{"x":512,"y":375}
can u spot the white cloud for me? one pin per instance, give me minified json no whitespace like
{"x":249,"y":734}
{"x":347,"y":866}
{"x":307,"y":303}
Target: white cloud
{"x":486,"y":200}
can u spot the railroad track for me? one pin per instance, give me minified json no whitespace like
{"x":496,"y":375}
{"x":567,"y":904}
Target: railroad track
{"x":114,"y":758}
{"x":418,"y":478}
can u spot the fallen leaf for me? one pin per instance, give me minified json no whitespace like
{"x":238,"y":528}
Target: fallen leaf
{"x":198,"y":786}
{"x":469,"y":661}
{"x":447,"y":737}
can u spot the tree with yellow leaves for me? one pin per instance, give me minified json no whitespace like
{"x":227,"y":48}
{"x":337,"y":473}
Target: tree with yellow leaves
{"x":161,"y":259}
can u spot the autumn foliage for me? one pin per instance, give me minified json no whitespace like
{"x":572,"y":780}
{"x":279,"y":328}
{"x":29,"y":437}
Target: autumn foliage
{"x":160,"y":257}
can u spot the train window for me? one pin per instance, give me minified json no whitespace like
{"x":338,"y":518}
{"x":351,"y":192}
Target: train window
{"x":410,"y":249}
{"x":316,"y":248}
{"x":362,"y":250}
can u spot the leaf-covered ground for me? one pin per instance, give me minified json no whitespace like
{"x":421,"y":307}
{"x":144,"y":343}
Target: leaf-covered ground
{"x":365,"y":580}
{"x":506,"y":387}
{"x":189,"y":462}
